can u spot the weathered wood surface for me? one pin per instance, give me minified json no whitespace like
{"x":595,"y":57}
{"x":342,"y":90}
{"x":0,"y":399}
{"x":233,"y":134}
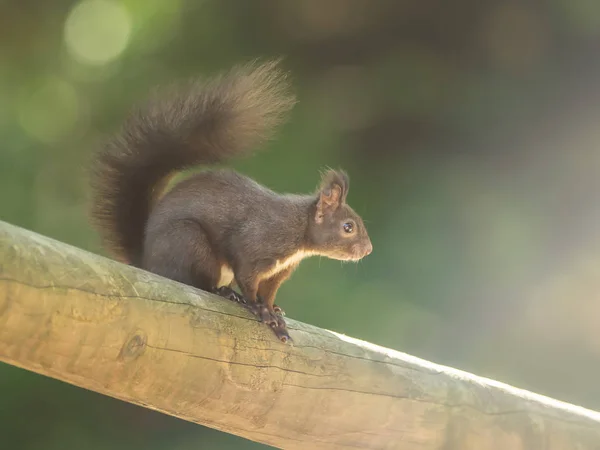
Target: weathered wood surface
{"x":110,"y":328}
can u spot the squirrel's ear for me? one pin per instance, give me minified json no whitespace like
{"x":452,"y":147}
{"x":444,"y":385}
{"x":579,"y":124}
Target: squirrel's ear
{"x":332,"y":192}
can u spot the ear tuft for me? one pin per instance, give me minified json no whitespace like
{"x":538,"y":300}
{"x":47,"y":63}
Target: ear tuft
{"x":335,"y":180}
{"x":332,"y":192}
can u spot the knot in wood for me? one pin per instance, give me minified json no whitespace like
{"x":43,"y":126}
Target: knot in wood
{"x":134,"y":346}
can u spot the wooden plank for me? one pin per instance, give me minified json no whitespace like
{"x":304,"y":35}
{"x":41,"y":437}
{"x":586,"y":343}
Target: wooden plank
{"x":126,"y":333}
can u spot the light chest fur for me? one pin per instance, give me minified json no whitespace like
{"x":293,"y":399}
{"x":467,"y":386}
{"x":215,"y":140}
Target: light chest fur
{"x":226,"y":277}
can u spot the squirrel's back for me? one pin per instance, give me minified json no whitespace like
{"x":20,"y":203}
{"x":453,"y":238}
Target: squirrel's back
{"x":202,"y":123}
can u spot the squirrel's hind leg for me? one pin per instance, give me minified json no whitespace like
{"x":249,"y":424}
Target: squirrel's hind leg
{"x":180,"y":250}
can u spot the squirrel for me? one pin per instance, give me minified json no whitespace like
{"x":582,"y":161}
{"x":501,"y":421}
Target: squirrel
{"x":217,"y":228}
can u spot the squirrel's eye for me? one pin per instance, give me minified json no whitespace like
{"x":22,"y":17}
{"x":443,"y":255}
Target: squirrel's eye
{"x":348,"y":227}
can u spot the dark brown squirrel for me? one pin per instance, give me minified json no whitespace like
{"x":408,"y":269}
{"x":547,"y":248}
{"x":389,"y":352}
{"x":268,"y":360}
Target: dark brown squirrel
{"x":218,"y":227}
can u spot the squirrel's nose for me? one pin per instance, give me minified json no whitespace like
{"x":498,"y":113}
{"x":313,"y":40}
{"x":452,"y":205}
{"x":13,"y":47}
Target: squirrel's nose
{"x":369,"y":249}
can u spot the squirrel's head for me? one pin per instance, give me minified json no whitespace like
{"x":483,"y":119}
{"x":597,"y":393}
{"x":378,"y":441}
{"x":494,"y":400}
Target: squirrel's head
{"x":335,"y":230}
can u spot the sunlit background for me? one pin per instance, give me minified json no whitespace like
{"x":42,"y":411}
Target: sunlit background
{"x":471,"y":133}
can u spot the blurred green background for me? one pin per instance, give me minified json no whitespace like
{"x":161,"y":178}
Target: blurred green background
{"x":471,"y":133}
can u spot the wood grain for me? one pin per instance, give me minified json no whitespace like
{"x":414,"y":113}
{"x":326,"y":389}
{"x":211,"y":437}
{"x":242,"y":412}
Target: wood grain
{"x":113,"y":329}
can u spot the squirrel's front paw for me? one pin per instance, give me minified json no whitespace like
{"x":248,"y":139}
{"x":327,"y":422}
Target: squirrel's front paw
{"x":272,"y":319}
{"x":276,"y":308}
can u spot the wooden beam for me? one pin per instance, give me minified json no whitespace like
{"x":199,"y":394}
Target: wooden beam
{"x":126,"y":333}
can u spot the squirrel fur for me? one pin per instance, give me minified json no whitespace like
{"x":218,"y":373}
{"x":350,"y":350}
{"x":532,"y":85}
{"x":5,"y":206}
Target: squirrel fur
{"x":217,"y":228}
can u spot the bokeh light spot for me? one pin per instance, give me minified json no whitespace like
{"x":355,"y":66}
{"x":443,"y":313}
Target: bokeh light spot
{"x":51,"y":111}
{"x":97,"y":31}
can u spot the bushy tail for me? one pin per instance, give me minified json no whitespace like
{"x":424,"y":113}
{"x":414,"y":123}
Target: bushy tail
{"x":202,"y":123}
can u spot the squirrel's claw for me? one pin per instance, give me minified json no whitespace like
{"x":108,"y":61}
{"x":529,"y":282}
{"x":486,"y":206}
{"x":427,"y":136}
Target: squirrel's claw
{"x":229,"y":294}
{"x":271,"y":318}
{"x":278,"y":310}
